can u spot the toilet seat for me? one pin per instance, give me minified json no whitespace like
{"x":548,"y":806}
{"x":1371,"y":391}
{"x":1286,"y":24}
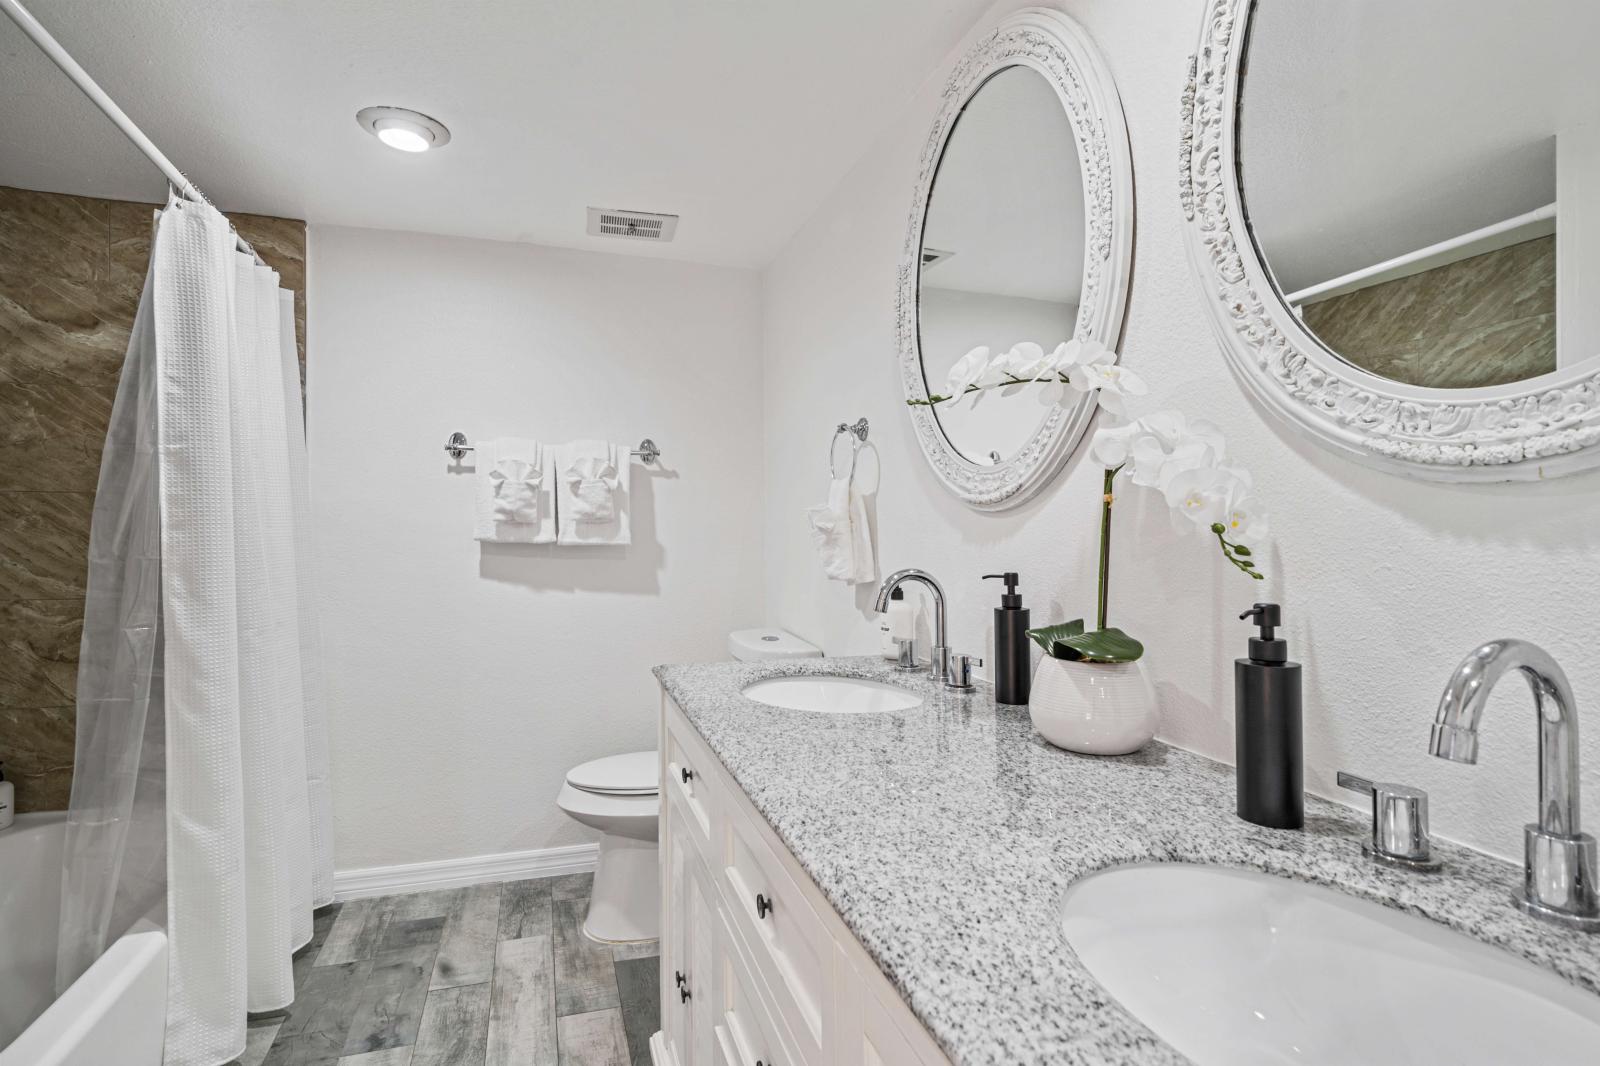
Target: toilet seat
{"x":635,"y":774}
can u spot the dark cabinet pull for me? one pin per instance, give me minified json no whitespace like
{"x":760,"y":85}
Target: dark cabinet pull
{"x":763,"y":906}
{"x":686,"y":774}
{"x":677,"y":976}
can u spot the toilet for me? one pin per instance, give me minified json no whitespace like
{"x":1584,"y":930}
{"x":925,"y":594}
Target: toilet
{"x":619,"y":796}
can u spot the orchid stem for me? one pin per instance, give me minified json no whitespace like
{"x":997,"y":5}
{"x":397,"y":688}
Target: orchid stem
{"x":1105,"y":544}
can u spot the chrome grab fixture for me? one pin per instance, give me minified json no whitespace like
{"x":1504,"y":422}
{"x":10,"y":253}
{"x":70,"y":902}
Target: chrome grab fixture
{"x":1558,"y":877}
{"x":939,"y":660}
{"x":1399,"y":823}
{"x":457,"y":448}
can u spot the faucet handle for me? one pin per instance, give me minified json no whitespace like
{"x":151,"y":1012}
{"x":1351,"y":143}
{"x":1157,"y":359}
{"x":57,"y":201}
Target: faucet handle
{"x":961,"y":671}
{"x":907,"y":657}
{"x":1399,"y":823}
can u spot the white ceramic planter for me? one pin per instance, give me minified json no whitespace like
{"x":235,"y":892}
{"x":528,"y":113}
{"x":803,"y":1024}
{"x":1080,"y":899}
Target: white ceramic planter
{"x":1093,"y":708}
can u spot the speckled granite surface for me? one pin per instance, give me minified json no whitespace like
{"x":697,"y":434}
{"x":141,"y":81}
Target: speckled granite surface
{"x":945,"y":837}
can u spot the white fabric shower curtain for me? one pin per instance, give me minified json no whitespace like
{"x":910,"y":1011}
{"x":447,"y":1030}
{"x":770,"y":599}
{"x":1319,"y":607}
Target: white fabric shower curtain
{"x":202,"y":755}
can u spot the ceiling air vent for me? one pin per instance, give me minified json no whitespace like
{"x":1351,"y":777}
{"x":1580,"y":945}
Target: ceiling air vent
{"x":931,"y":256}
{"x":635,"y":225}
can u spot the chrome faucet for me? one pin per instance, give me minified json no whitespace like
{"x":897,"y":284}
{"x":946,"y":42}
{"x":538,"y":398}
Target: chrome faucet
{"x":939,"y":660}
{"x":1559,"y":867}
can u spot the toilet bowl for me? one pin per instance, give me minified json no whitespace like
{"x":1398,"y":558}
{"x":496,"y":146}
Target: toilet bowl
{"x":620,"y":796}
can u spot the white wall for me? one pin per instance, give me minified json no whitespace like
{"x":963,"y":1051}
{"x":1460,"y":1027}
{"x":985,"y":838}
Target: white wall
{"x":465,"y":681}
{"x":1386,"y":582}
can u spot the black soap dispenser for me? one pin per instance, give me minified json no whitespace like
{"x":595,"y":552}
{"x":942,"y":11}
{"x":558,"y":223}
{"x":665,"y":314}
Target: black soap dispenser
{"x":1267,"y":745}
{"x":1013,"y":654}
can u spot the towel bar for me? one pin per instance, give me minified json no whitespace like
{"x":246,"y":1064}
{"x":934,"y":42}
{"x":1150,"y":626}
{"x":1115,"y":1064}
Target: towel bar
{"x":457,"y":448}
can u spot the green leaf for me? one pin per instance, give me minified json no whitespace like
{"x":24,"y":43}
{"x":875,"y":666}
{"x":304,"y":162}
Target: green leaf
{"x":1109,"y":645}
{"x":1047,"y":636}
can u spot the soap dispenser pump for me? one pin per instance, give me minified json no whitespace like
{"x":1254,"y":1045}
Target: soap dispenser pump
{"x":1267,"y":742}
{"x":1013,"y":653}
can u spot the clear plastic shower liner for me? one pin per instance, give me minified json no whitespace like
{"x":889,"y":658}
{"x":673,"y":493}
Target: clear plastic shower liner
{"x":200,"y":795}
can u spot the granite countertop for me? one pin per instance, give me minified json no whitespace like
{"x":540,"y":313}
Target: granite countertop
{"x":945,"y":837}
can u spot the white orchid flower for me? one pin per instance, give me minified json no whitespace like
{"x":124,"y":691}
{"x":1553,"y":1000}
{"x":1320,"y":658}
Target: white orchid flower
{"x":1026,"y":362}
{"x":1202,"y":496}
{"x":968,"y":369}
{"x":1245,"y":522}
{"x":1112,"y":446}
{"x":1096,"y":370}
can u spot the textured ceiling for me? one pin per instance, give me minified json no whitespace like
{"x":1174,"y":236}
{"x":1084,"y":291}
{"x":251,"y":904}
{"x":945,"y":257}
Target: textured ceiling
{"x":739,"y":115}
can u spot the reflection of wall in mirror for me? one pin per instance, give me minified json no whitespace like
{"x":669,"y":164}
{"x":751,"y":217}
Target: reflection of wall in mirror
{"x":1485,"y":320}
{"x":952,"y":323}
{"x":1347,"y":173}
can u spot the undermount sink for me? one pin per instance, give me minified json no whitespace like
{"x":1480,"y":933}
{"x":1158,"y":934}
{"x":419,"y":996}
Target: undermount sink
{"x":1230,"y":966}
{"x":833,"y":695}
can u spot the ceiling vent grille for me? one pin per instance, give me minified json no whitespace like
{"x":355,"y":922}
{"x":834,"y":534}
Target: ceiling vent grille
{"x":931,"y":256}
{"x":633,"y":225}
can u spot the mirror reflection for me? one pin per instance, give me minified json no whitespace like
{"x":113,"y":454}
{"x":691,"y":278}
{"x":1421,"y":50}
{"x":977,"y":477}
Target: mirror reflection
{"x":1002,"y":254}
{"x":1424,"y":183}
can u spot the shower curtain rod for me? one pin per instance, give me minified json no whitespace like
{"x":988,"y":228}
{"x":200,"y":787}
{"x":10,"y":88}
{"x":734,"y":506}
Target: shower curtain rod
{"x":80,"y":77}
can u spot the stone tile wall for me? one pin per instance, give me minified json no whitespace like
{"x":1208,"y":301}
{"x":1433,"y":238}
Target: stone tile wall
{"x":1486,"y":320}
{"x":71,"y":271}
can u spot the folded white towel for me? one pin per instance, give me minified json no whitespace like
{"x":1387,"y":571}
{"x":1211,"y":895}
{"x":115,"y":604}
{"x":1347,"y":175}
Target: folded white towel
{"x":842,"y":536}
{"x":592,"y":492}
{"x":514,"y":499}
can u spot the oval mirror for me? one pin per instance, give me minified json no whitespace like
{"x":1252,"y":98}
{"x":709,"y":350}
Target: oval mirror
{"x":1020,"y":235}
{"x":1002,"y":254}
{"x":1403,"y":262}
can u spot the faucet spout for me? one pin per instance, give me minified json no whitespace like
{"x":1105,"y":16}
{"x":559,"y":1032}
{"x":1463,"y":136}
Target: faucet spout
{"x":1455,"y":726}
{"x":1559,"y":881}
{"x":939,"y":661}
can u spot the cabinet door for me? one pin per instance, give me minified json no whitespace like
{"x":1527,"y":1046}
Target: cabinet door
{"x":676,"y":854}
{"x":691,"y":980}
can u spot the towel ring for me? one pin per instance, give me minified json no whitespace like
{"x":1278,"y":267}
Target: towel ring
{"x":858,"y":430}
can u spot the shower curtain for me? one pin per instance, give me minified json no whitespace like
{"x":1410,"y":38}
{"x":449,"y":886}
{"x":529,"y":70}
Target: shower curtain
{"x":200,"y":794}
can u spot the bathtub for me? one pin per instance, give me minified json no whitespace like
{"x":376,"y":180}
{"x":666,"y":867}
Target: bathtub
{"x":115,"y":1013}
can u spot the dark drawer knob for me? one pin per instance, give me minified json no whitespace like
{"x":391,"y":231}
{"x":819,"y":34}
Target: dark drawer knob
{"x":677,"y":976}
{"x":763,"y":906}
{"x":686,"y":774}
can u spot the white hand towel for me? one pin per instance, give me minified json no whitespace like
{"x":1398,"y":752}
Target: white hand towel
{"x":514,"y":498}
{"x":831,"y":534}
{"x":592,"y":493}
{"x":863,"y":554}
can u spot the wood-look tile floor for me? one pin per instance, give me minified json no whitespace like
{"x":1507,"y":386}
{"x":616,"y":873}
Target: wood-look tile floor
{"x":491,"y":975}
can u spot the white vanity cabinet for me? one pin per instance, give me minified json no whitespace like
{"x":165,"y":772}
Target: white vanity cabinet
{"x":756,"y":968}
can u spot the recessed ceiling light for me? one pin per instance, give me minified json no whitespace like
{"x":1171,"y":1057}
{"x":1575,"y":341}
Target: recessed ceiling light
{"x":398,"y":127}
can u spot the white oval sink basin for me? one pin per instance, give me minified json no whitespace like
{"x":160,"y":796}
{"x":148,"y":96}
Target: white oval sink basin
{"x":834,"y":695}
{"x":1235,"y":967}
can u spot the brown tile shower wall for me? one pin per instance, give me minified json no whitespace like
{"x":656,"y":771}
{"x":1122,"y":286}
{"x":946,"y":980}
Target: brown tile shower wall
{"x":71,"y":271}
{"x":1485,"y":320}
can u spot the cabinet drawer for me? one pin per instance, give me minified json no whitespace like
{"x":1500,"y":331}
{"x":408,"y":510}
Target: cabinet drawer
{"x":693,"y":785}
{"x":789,"y":947}
{"x":747,"y":1035}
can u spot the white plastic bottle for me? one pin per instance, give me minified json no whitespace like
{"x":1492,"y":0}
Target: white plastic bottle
{"x":898,"y":623}
{"x":8,"y":802}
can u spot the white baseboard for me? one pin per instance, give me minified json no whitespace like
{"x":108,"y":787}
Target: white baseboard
{"x":457,"y":873}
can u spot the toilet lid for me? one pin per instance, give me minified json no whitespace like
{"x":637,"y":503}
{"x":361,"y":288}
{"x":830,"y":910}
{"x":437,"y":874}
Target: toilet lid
{"x":635,"y":774}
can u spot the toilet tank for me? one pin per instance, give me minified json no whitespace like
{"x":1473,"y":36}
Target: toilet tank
{"x":754,"y":645}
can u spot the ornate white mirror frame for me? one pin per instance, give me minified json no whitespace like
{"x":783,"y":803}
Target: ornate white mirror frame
{"x":1539,"y":428}
{"x":1059,"y":49}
